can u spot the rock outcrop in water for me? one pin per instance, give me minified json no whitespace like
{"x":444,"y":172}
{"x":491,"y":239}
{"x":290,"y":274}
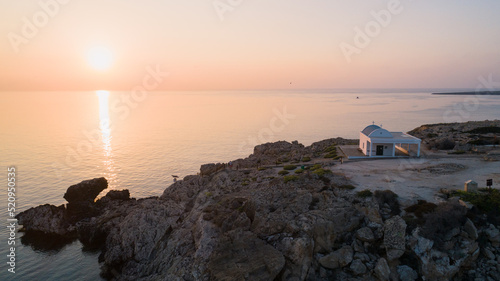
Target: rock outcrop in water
{"x":254,"y":224}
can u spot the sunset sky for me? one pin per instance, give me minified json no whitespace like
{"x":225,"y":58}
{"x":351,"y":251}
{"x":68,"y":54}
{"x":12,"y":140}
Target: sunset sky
{"x":246,"y":45}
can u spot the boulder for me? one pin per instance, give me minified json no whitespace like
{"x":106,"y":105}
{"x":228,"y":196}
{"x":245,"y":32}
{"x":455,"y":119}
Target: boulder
{"x":86,"y":191}
{"x":471,"y":229}
{"x":365,"y":234}
{"x":299,"y":253}
{"x":382,"y":270}
{"x":357,"y":267}
{"x":371,"y":212}
{"x":493,"y":234}
{"x":488,"y":254}
{"x":340,"y":258}
{"x":406,"y":273}
{"x":394,"y":237}
{"x":113,"y":195}
{"x":46,"y":218}
{"x":324,"y":235}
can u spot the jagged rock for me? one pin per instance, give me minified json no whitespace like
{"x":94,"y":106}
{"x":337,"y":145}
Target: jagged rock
{"x":118,"y":194}
{"x":365,"y":234}
{"x":46,"y":218}
{"x":471,"y":229}
{"x":299,"y":251}
{"x":455,"y":135}
{"x":437,"y":265}
{"x":406,"y":273}
{"x":488,"y":254}
{"x":209,"y":169}
{"x":324,"y":235}
{"x":371,"y":212}
{"x":382,"y":270}
{"x":245,"y":257}
{"x":493,"y":234}
{"x":358,"y":246}
{"x":357,"y":267}
{"x":394,"y":237}
{"x":362,"y":257}
{"x":276,"y":149}
{"x":340,"y":258}
{"x":452,"y":233}
{"x":85,"y":191}
{"x":422,"y":244}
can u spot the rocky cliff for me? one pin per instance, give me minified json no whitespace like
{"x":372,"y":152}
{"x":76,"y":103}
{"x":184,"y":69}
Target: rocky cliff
{"x":253,"y":223}
{"x":464,"y":136}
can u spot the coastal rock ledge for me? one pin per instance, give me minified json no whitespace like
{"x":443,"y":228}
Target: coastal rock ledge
{"x":251,"y":223}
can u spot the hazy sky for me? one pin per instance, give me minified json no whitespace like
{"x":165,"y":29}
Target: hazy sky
{"x":249,"y":44}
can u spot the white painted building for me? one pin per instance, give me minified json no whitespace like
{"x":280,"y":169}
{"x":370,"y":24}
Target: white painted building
{"x":375,"y":141}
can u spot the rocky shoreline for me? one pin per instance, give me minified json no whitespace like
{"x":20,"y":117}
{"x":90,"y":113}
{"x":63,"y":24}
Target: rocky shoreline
{"x":279,"y":214}
{"x":463,"y":137}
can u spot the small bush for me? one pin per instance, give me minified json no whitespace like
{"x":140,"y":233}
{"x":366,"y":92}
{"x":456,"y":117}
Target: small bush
{"x":412,"y":223}
{"x":331,"y":155}
{"x":347,"y":186}
{"x":283,"y":172}
{"x":390,"y":198}
{"x":365,"y":193}
{"x":331,"y":148}
{"x":321,"y":172}
{"x":306,"y":159}
{"x":290,"y":178}
{"x":299,"y":171}
{"x":486,"y":201}
{"x":445,"y":217}
{"x":421,"y":208}
{"x":289,"y":167}
{"x":315,"y":167}
{"x":261,"y":169}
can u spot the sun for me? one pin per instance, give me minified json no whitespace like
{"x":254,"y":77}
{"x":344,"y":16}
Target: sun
{"x":100,"y":58}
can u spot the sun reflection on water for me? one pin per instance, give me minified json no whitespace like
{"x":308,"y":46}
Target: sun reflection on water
{"x":105,"y":127}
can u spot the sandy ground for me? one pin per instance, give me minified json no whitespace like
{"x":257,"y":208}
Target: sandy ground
{"x":420,"y":178}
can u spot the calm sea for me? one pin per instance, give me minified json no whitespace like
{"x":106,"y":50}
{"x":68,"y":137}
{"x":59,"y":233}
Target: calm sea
{"x":56,"y":139}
